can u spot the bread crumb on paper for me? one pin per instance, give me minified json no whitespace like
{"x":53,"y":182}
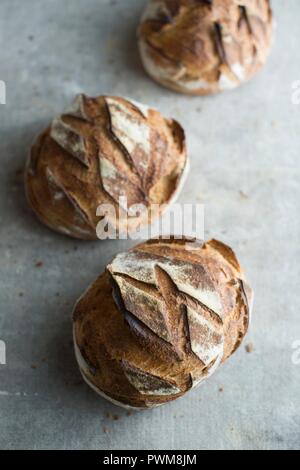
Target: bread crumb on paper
{"x":249,"y":348}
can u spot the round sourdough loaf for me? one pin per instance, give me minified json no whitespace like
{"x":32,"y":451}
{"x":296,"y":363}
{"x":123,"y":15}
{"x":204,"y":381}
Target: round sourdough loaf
{"x":160,"y":320}
{"x":202,"y":47}
{"x":108,"y":152}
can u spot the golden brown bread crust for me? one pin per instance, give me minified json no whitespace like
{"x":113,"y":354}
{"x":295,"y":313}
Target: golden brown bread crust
{"x":98,"y":151}
{"x":201,"y":47}
{"x":160,"y":320}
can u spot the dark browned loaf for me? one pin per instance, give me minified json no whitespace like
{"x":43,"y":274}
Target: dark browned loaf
{"x":160,"y":320}
{"x":100,"y":151}
{"x":205,"y":46}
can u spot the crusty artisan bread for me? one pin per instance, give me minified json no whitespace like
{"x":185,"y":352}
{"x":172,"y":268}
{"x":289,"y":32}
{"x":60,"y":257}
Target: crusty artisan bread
{"x":160,"y":320}
{"x":101,"y":151}
{"x":202,"y":47}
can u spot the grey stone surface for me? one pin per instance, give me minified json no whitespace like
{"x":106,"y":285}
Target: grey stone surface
{"x":244,"y":147}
